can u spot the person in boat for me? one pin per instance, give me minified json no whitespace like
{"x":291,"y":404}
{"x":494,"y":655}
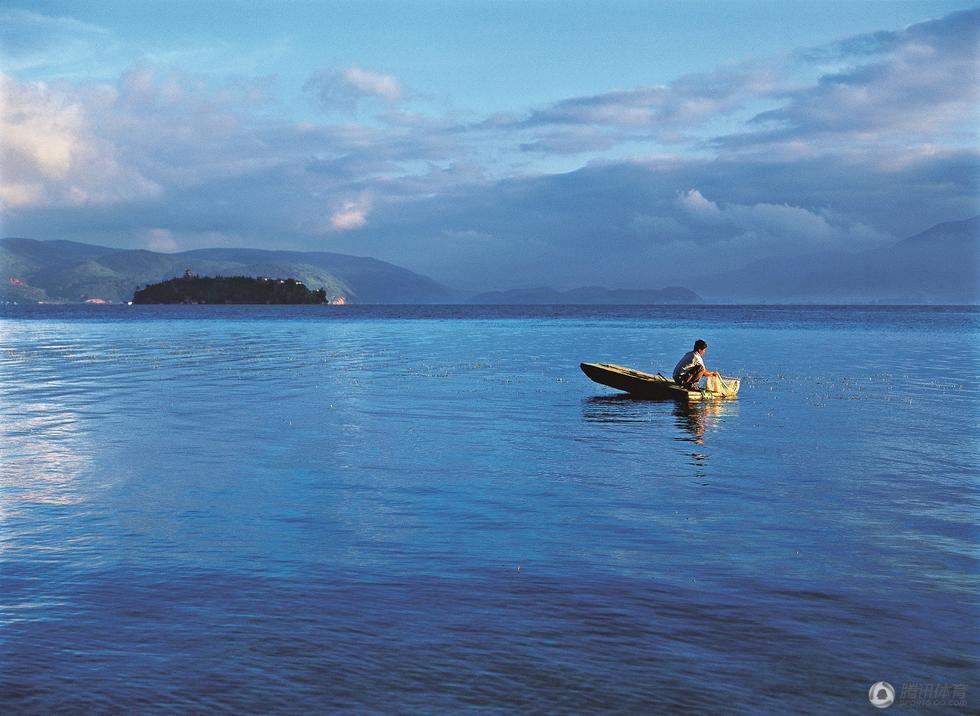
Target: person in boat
{"x":690,"y":369}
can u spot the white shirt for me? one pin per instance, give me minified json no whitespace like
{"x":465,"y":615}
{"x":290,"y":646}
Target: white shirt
{"x":690,"y":359}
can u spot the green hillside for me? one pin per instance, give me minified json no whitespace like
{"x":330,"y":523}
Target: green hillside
{"x":70,"y":272}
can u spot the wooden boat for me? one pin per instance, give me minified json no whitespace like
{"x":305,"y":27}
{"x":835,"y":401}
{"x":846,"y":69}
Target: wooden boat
{"x":648,"y":385}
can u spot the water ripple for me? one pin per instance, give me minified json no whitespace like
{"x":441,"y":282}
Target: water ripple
{"x":425,"y":510}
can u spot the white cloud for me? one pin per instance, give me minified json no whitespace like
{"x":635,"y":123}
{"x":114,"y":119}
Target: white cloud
{"x":694,"y":203}
{"x":170,"y":158}
{"x":915,"y":85}
{"x":387,"y":87}
{"x":345,"y":89}
{"x":911,"y":86}
{"x":570,"y":140}
{"x":466,"y":235}
{"x":161,"y":240}
{"x":351,"y":214}
{"x":51,"y":152}
{"x":14,"y":195}
{"x":765,"y":228}
{"x":687,"y":103}
{"x":792,"y":225}
{"x":41,"y":129}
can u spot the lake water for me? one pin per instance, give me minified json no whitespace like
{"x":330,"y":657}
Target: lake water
{"x":432,"y":510}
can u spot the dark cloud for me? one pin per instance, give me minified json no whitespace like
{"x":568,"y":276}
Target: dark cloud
{"x":910,"y":85}
{"x":862,"y":153}
{"x":685,"y":103}
{"x":914,"y":85}
{"x":621,"y":224}
{"x":639,"y":224}
{"x":957,"y":32}
{"x":573,"y":140}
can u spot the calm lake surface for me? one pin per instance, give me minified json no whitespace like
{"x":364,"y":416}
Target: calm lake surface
{"x":431,"y":509}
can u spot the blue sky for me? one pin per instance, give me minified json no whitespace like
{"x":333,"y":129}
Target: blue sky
{"x":491,"y":144}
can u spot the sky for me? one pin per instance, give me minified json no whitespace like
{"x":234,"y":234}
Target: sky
{"x":492,"y":145}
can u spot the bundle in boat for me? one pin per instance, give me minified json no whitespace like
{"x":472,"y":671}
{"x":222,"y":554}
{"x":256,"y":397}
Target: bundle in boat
{"x":725,"y":387}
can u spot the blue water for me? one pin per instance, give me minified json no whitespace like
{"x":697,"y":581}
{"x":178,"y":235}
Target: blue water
{"x":431,"y":510}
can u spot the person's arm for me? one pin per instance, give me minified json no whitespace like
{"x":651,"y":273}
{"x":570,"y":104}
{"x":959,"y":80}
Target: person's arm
{"x":704,"y":369}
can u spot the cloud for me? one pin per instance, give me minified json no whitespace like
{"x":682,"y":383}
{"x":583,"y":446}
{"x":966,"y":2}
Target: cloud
{"x":632,"y":224}
{"x":351,"y":214}
{"x":31,"y":42}
{"x":163,"y":158}
{"x":377,"y":84}
{"x":344,"y":90}
{"x":738,"y":230}
{"x":52,"y":154}
{"x":694,"y":203}
{"x":161,"y":240}
{"x":466,"y":235}
{"x":570,"y":140}
{"x":42,"y":130}
{"x":181,"y":153}
{"x":666,"y":113}
{"x":907,"y":86}
{"x":145,"y":88}
{"x":157,"y":132}
{"x":913,"y":85}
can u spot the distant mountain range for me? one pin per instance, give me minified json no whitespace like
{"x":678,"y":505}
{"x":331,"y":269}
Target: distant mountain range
{"x":939,"y":265}
{"x":590,"y":295}
{"x":70,"y":272}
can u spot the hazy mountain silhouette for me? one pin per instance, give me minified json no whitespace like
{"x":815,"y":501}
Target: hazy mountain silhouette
{"x":589,"y":295}
{"x":66,"y":271}
{"x":939,"y":265}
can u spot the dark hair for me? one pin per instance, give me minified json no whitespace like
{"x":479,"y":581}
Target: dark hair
{"x":699,"y":344}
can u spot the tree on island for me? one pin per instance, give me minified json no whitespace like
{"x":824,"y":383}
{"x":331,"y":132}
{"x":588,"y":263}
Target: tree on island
{"x":192,"y":289}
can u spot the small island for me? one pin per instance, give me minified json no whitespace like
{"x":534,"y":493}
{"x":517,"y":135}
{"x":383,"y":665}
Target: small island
{"x":191,"y":289}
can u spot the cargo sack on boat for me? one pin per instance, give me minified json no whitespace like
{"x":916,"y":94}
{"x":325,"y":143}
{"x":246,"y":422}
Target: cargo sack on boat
{"x":727,"y":387}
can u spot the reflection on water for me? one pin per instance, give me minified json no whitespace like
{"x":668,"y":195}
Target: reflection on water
{"x":273,"y":506}
{"x":694,"y":418}
{"x":622,"y":408}
{"x":683,"y":422}
{"x":703,"y":417}
{"x":40,"y":454}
